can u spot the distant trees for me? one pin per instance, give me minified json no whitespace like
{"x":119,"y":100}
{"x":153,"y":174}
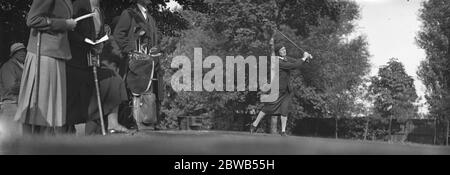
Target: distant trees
{"x":394,"y":92}
{"x":12,"y":24}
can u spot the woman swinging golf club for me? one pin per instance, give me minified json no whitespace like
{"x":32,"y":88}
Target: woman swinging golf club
{"x":282,"y":105}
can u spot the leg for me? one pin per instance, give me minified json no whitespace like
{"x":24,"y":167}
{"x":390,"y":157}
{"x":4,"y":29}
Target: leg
{"x":125,"y":116}
{"x":256,"y":122}
{"x":283,"y":125}
{"x":258,"y":119}
{"x":79,"y":92}
{"x":113,"y":121}
{"x":46,"y":130}
{"x":35,"y":130}
{"x":93,"y":127}
{"x":135,"y":112}
{"x":61,"y":130}
{"x":27,"y":129}
{"x":67,"y":129}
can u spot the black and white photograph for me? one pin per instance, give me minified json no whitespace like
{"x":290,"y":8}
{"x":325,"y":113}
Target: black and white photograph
{"x":224,"y":77}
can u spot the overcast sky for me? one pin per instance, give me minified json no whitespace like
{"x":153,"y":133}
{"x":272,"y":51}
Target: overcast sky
{"x":391,"y":27}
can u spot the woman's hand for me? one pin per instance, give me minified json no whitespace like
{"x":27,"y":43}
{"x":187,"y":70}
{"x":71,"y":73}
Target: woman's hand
{"x":306,"y":55}
{"x":280,"y":58}
{"x":71,"y":23}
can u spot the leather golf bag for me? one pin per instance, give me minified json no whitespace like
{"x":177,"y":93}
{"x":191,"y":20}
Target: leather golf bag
{"x":139,"y":81}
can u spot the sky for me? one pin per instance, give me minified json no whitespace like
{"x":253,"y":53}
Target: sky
{"x":391,"y":27}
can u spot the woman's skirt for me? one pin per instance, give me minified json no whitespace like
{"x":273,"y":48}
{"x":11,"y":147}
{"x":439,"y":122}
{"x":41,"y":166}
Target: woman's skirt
{"x":51,"y":98}
{"x":282,"y":106}
{"x":80,"y":88}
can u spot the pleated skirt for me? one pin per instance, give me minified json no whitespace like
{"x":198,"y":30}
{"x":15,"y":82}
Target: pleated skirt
{"x":50,"y":110}
{"x":282,"y":106}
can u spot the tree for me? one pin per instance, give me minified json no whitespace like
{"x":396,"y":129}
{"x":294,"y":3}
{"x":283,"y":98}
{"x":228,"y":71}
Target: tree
{"x":13,"y":24}
{"x":395,"y":93}
{"x":339,"y":66}
{"x":434,"y":71}
{"x":196,"y":103}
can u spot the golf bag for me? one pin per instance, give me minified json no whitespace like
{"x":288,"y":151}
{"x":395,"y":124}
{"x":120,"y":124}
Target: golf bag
{"x":139,"y":81}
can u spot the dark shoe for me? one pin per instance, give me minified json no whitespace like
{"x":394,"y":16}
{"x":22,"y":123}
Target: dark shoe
{"x":283,"y":134}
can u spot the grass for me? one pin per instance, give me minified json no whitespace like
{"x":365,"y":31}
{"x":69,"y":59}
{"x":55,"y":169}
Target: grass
{"x":207,"y":143}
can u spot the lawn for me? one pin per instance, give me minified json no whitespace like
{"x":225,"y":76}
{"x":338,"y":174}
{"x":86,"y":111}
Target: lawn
{"x":206,"y":143}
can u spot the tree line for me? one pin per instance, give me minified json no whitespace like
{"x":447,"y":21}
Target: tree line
{"x":434,"y":71}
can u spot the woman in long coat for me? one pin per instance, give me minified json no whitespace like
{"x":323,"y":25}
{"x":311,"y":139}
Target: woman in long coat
{"x":281,"y":106}
{"x":52,"y":18}
{"x":80,"y":79}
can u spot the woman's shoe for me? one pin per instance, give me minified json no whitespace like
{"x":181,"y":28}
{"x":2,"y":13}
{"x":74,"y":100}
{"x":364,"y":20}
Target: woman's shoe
{"x":114,"y":131}
{"x":283,"y":134}
{"x":119,"y":130}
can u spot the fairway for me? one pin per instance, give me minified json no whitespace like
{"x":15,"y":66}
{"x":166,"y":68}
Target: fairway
{"x":207,"y":143}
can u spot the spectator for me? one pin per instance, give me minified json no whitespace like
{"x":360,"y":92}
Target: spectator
{"x":282,"y":106}
{"x":80,"y":80}
{"x":11,"y":72}
{"x":136,"y":32}
{"x":10,"y":76}
{"x":42,"y":99}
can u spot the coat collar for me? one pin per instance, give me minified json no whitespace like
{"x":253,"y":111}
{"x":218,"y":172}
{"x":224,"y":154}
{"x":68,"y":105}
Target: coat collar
{"x":142,"y":8}
{"x":138,"y":11}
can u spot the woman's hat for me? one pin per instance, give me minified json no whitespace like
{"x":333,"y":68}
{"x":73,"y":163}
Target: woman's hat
{"x":16,"y":47}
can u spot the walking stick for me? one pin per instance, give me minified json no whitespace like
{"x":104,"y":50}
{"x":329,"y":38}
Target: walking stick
{"x":94,"y":61}
{"x":37,"y":79}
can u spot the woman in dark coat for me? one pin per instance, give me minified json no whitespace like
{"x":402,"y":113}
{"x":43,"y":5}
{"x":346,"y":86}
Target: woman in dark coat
{"x":80,"y":79}
{"x":281,"y":106}
{"x":53,"y":18}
